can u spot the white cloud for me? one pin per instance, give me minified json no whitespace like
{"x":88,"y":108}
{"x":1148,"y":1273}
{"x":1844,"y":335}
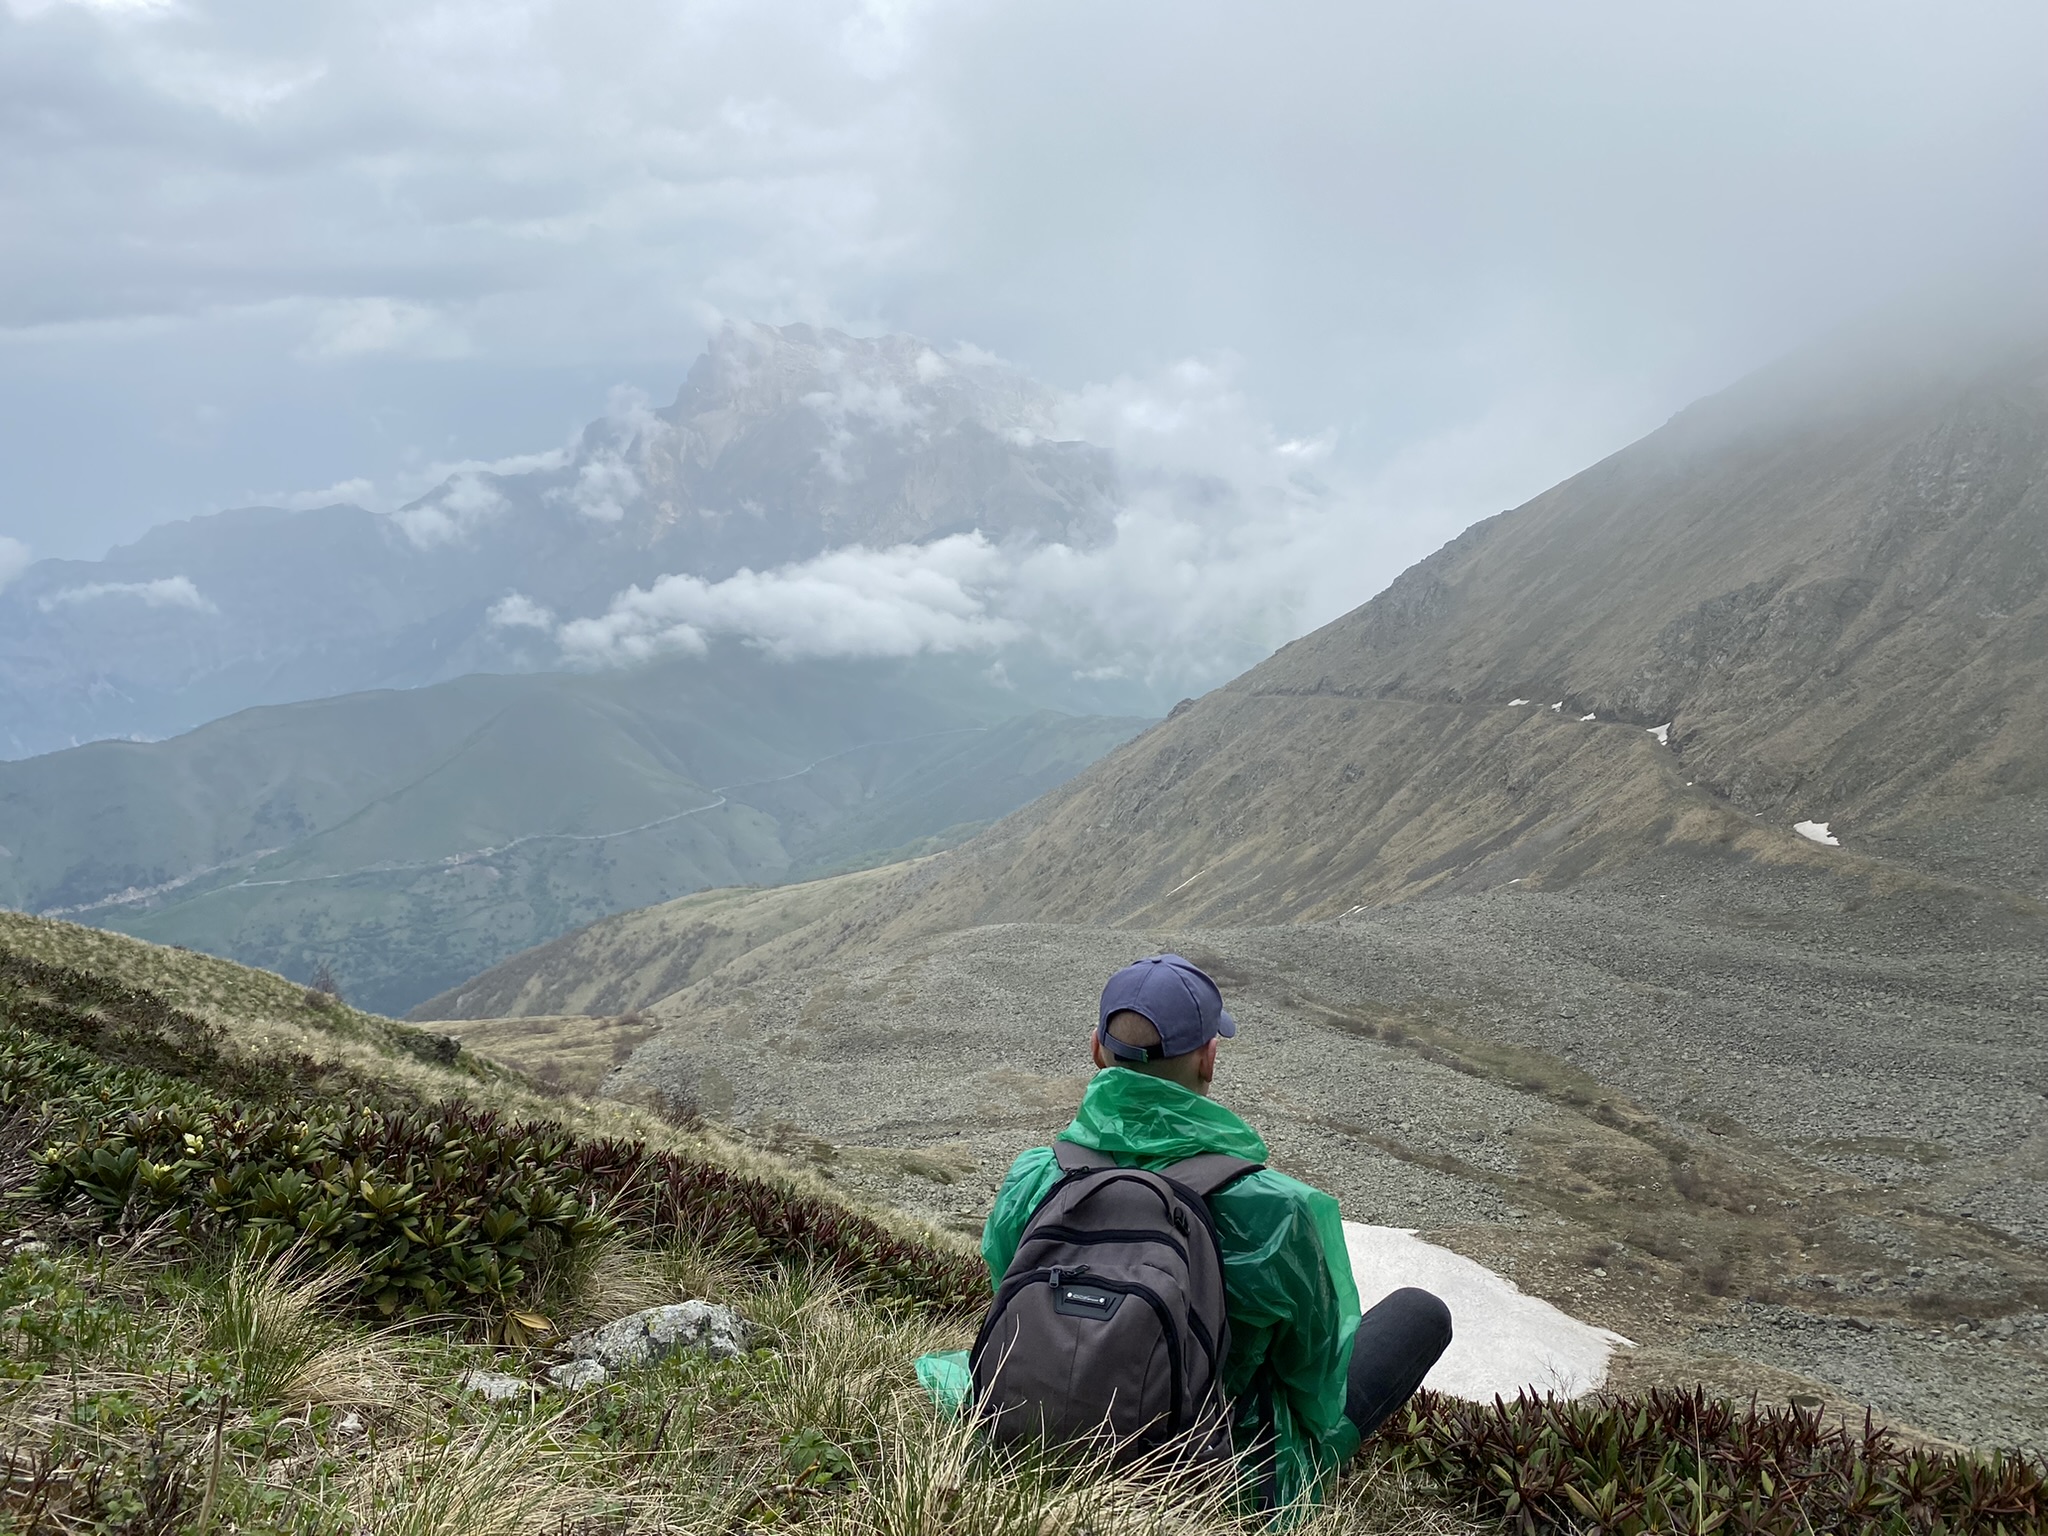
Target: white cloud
{"x":518,"y":611}
{"x":604,"y":487}
{"x":608,"y":479}
{"x":164,"y":592}
{"x":466,"y":503}
{"x":850,"y":602}
{"x":14,"y":559}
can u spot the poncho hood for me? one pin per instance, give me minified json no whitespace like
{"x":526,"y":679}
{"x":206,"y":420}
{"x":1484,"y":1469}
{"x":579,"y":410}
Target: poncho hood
{"x":1150,"y":1120}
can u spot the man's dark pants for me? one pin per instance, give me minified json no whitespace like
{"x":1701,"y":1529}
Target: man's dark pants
{"x":1397,"y":1342}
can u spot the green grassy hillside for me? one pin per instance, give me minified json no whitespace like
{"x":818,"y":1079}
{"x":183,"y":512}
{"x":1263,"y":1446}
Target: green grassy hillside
{"x":1819,"y":597}
{"x":407,"y":840}
{"x":257,"y":1242}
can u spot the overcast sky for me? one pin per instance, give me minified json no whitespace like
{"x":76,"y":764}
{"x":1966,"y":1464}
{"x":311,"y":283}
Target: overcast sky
{"x":249,"y":249}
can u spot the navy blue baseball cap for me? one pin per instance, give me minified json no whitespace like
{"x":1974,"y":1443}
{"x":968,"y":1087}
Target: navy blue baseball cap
{"x":1183,"y":1004}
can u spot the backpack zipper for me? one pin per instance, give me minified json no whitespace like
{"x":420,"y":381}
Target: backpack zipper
{"x":1145,"y":1293}
{"x":1082,"y":1239}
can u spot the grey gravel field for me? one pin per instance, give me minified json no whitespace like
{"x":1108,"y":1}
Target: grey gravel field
{"x":1783,"y":1128}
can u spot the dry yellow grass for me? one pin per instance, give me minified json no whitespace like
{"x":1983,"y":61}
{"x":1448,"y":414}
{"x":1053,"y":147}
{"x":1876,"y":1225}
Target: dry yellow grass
{"x":571,"y":1052}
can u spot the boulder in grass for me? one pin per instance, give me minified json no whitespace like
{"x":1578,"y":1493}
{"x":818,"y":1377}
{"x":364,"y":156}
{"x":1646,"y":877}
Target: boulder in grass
{"x":645,"y":1337}
{"x":495,"y":1386}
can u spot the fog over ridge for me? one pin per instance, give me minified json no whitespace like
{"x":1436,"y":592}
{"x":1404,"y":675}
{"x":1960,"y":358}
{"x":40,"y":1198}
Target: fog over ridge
{"x":338,"y":245}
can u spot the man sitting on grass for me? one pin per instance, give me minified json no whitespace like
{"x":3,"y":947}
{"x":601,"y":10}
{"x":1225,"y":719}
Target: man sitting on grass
{"x":1306,"y":1379}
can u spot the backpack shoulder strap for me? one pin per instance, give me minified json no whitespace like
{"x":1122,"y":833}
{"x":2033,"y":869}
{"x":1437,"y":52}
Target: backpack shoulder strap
{"x":1075,"y":1158}
{"x":1208,"y":1172}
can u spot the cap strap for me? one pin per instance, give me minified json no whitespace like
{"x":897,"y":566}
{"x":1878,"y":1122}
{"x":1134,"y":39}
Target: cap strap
{"x":1123,"y":1050}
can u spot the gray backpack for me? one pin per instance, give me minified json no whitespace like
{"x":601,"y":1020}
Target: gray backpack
{"x":1110,"y":1318}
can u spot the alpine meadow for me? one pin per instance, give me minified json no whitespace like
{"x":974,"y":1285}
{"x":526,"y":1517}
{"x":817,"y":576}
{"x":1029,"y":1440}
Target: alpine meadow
{"x":922,"y":768}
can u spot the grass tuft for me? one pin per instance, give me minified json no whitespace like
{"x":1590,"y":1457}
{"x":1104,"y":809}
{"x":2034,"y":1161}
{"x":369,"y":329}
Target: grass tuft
{"x":280,"y":1326}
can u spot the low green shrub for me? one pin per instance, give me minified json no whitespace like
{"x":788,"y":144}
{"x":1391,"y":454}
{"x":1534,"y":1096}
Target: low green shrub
{"x":440,"y":1209}
{"x":152,"y":1114}
{"x":435,"y":1212}
{"x":1685,"y":1462}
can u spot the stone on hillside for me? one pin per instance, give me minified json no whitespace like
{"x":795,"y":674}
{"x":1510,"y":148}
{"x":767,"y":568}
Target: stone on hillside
{"x":495,"y":1386}
{"x":574,"y":1375}
{"x":659,"y":1332}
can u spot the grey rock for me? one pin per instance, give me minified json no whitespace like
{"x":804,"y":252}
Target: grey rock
{"x":645,"y":1337}
{"x":495,"y":1386}
{"x":575,"y":1375}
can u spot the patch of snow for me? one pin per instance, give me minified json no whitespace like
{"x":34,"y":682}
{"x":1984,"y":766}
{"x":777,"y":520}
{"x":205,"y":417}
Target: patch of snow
{"x":1817,"y":831}
{"x":1557,"y":706}
{"x":1584,"y":718}
{"x":1513,"y":702}
{"x":1503,"y":1341}
{"x":1662,"y":733}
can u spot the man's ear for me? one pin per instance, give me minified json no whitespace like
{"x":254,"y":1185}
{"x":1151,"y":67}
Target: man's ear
{"x":1207,"y":1069}
{"x":1095,"y":1050}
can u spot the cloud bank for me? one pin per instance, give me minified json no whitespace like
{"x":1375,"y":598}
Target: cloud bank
{"x":1230,"y":539}
{"x":164,"y":592}
{"x":254,"y":244}
{"x":904,"y":601}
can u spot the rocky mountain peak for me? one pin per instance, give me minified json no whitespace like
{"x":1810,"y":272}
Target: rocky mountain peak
{"x":782,"y":444}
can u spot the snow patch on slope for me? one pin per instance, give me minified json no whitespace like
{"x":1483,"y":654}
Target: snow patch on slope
{"x":1503,"y":1341}
{"x":1816,"y":831}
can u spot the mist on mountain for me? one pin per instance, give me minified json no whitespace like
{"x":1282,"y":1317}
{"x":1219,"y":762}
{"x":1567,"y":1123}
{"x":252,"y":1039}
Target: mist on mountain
{"x":808,"y":492}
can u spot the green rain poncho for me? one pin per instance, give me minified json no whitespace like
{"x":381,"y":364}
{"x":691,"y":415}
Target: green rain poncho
{"x":1286,"y":1274}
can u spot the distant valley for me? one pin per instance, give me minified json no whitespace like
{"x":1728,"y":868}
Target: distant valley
{"x":404,"y":840}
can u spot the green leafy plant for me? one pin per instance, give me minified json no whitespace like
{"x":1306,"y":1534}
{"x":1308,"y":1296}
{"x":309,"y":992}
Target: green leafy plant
{"x":1685,"y":1462}
{"x":815,"y":1461}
